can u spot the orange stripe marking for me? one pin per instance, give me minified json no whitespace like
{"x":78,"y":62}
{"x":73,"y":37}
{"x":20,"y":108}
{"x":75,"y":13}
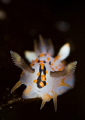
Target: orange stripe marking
{"x":21,"y":73}
{"x":56,"y":58}
{"x":53,"y":69}
{"x":43,"y":78}
{"x":41,"y":61}
{"x":61,"y":68}
{"x":42,"y":65}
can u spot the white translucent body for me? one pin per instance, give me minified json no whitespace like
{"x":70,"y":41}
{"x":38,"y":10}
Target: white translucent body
{"x":45,"y":81}
{"x":52,"y":82}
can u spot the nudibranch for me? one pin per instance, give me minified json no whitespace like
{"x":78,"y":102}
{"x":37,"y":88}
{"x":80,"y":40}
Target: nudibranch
{"x":46,"y":77}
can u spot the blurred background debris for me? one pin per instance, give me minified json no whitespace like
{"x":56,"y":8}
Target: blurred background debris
{"x":62,"y":26}
{"x":6,"y":1}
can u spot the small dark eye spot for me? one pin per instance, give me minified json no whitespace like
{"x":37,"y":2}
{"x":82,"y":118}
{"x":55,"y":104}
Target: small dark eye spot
{"x":50,"y":62}
{"x":38,"y":61}
{"x":44,"y":61}
{"x":45,"y":54}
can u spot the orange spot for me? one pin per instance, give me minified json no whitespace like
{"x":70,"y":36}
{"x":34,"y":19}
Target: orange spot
{"x":33,"y":61}
{"x":61,"y":68}
{"x":38,"y":73}
{"x":52,"y":91}
{"x":56,"y":58}
{"x":46,"y":83}
{"x":49,"y":97}
{"x":31,"y":64}
{"x":51,"y":63}
{"x":36,"y":60}
{"x":42,"y":65}
{"x":21,"y":73}
{"x":48,"y":58}
{"x":56,"y":67}
{"x":46,"y":72}
{"x":52,"y":85}
{"x":31,"y":83}
{"x":35,"y":81}
{"x":43,"y":78}
{"x":41,"y":84}
{"x":41,"y":55}
{"x":49,"y":54}
{"x":63,"y":79}
{"x":59,"y":64}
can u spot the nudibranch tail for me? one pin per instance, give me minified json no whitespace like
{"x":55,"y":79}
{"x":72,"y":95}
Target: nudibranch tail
{"x":20,"y":62}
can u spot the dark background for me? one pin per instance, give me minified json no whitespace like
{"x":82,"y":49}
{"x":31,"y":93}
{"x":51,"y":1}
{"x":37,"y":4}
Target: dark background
{"x":21,"y":23}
